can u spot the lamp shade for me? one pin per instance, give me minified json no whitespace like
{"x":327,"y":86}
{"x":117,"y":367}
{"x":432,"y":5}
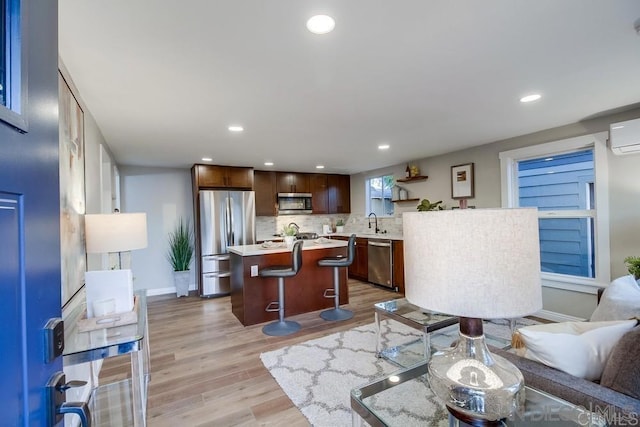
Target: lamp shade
{"x":478,"y":263}
{"x":117,"y":232}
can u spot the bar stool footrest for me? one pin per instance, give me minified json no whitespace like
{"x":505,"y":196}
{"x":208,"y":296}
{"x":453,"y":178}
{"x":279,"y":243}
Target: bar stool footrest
{"x":273,"y":306}
{"x":329,"y":293}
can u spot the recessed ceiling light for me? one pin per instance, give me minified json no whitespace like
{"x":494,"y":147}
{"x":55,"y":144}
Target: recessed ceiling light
{"x":321,"y":24}
{"x":236,"y":128}
{"x":206,"y":159}
{"x":268,"y":163}
{"x":320,"y":167}
{"x":383,"y":147}
{"x":531,"y":98}
{"x":617,"y":127}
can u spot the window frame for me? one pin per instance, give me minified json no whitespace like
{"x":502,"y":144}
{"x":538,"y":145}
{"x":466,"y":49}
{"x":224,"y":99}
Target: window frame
{"x":14,"y":112}
{"x":367,"y":192}
{"x":509,"y":194}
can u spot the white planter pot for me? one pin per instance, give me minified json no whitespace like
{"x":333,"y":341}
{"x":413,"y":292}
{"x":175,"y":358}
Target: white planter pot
{"x":339,"y":228}
{"x":181,"y":281}
{"x":289,"y":240}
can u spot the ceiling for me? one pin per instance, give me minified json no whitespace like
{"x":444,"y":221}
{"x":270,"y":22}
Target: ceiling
{"x":164,"y":79}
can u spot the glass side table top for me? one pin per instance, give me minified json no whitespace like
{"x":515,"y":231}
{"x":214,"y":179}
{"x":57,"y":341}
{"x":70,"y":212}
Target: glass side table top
{"x":412,"y":315}
{"x":404,"y":399}
{"x":82,"y":347}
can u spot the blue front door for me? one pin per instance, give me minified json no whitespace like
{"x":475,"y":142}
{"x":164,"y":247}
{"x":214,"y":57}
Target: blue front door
{"x":30,"y":228}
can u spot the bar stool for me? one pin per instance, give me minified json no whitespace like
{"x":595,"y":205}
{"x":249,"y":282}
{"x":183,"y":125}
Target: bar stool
{"x":338,"y":313}
{"x":281,"y":326}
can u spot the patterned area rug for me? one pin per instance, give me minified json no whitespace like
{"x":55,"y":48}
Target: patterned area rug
{"x":318,"y":375}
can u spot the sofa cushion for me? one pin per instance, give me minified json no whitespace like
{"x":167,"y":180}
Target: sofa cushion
{"x":622,"y":371}
{"x":578,"y":348}
{"x":619,"y":301}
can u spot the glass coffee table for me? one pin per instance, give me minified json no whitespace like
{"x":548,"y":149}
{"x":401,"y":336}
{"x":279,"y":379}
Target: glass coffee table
{"x":404,"y":398}
{"x":413,"y":316}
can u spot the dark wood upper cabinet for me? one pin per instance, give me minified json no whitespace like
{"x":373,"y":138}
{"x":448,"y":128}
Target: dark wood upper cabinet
{"x":212,"y":176}
{"x":339,"y":193}
{"x":265,"y":188}
{"x":319,"y":193}
{"x":291,"y":182}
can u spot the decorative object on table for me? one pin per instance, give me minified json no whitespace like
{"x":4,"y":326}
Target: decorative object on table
{"x":633,"y":265}
{"x":180,"y":255}
{"x":340,"y":225}
{"x":426,"y":205}
{"x":462,"y":181}
{"x":476,"y":264}
{"x":113,"y":233}
{"x":289,"y":232}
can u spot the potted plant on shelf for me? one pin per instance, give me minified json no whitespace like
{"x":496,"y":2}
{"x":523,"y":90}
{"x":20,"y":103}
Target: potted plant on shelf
{"x":289,"y":232}
{"x":426,"y":205}
{"x":633,"y":265}
{"x":340,"y":226}
{"x":180,"y":255}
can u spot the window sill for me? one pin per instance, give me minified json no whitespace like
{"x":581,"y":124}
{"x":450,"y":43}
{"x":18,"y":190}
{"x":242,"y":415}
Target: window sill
{"x":574,"y":284}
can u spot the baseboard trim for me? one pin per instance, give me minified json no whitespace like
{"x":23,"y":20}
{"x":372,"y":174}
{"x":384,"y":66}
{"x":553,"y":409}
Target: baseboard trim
{"x":557,"y":317}
{"x":152,"y":292}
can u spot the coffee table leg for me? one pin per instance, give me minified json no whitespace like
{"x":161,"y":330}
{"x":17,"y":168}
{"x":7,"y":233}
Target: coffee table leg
{"x":356,"y":420}
{"x":378,"y":335}
{"x":426,"y":340}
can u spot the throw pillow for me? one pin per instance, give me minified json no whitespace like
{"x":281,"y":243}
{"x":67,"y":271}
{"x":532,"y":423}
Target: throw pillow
{"x":622,"y":370}
{"x":620,"y":301}
{"x":577,"y":348}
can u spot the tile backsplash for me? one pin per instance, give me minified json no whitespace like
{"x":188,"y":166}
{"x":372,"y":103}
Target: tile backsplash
{"x":267,"y":226}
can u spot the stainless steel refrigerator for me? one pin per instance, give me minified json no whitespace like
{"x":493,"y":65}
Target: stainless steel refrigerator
{"x":227,"y":218}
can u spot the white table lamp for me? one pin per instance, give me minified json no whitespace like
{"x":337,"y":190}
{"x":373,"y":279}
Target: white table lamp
{"x":107,"y":233}
{"x":476,"y":264}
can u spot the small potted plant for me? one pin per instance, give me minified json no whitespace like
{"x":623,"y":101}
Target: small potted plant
{"x":289,"y":232}
{"x":340,"y":226}
{"x":633,"y":265}
{"x":426,"y":205}
{"x":180,"y":255}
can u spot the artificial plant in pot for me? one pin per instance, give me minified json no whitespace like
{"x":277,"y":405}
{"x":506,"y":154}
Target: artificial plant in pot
{"x":340,"y":226}
{"x":289,"y":232}
{"x":426,"y":205}
{"x":180,"y":255}
{"x":633,"y":265}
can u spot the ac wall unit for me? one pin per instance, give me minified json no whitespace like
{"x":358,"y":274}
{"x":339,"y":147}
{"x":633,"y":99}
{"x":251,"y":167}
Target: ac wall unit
{"x":625,"y":137}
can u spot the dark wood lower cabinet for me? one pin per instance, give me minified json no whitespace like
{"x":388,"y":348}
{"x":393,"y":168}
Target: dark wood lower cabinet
{"x":398,"y":265}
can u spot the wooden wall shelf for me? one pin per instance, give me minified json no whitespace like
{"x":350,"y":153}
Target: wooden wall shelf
{"x":413,"y":178}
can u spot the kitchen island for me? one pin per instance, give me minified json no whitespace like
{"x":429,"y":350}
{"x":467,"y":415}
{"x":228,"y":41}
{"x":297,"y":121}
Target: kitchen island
{"x":250,"y":293}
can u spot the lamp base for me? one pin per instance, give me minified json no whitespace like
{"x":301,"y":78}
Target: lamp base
{"x":479,"y":388}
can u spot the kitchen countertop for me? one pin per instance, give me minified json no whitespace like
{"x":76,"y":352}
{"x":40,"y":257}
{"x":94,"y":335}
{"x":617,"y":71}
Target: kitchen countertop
{"x":278,"y":247}
{"x":389,"y":236}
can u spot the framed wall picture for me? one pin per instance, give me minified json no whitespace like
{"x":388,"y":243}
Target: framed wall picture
{"x":462,"y":185}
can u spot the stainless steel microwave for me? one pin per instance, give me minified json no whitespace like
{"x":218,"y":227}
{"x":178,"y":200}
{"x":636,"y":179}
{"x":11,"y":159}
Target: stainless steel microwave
{"x":294,"y":203}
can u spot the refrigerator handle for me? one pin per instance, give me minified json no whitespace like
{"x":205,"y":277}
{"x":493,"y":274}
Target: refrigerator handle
{"x":228,"y":222}
{"x":232,"y":225}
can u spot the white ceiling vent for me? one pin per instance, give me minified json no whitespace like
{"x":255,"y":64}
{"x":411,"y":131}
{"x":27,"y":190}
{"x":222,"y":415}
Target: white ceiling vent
{"x":625,"y":137}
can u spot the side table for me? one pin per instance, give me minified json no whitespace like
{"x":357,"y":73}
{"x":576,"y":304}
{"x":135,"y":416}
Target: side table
{"x":131,"y":339}
{"x":408,"y":314}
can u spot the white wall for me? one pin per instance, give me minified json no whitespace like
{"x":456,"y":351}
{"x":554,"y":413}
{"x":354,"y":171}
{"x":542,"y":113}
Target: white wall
{"x":165,"y":195}
{"x":624,"y":195}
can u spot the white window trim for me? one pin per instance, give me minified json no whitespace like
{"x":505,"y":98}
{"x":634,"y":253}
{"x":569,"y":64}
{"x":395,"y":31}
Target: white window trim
{"x":508,"y":173}
{"x":367,"y":206}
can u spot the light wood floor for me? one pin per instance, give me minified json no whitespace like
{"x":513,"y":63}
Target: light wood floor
{"x":206,"y":368}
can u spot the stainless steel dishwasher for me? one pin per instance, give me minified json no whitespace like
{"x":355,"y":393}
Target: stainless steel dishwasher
{"x":380,"y":262}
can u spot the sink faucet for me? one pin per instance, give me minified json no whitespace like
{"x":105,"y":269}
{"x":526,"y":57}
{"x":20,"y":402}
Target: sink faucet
{"x":293,"y":224}
{"x":376,"y":218}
